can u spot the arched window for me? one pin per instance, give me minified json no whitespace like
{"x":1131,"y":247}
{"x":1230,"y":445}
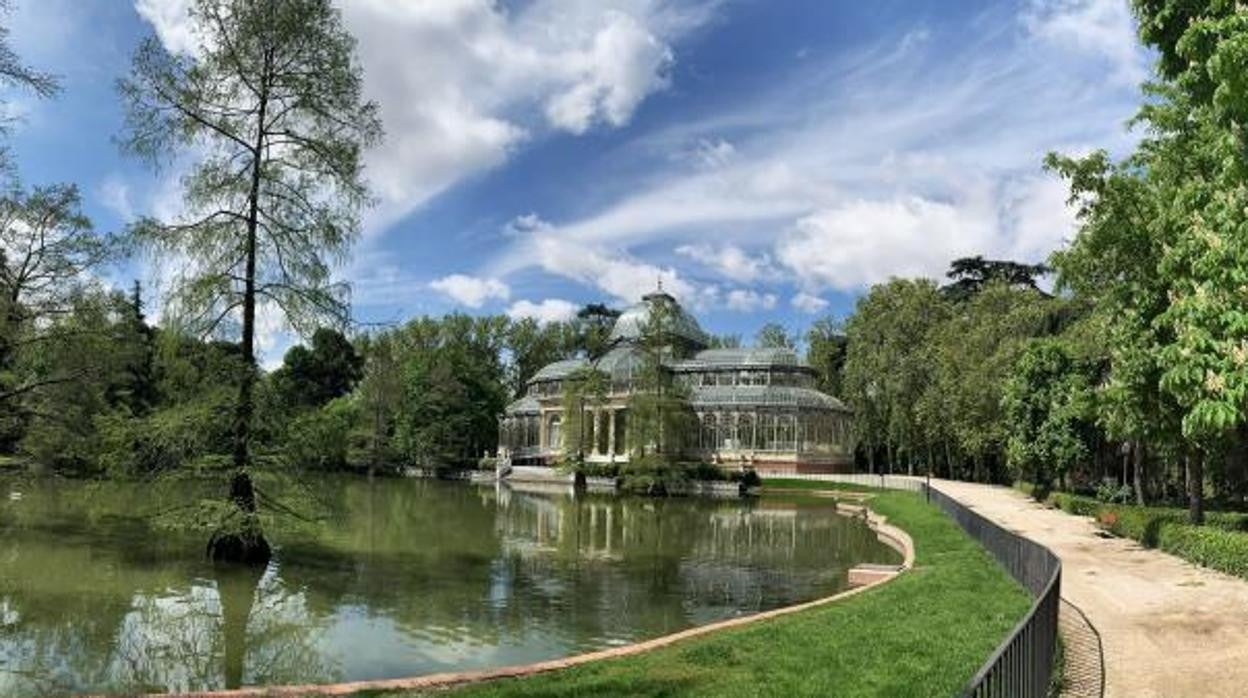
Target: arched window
{"x":708,"y":431}
{"x":786,"y":433}
{"x":745,"y":431}
{"x":767,"y":431}
{"x":554,"y":432}
{"x":725,"y":432}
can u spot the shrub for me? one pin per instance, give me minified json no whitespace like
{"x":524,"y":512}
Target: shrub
{"x":1075,"y":504}
{"x":1222,"y":550}
{"x":167,"y":439}
{"x":320,"y":438}
{"x":1221,"y":544}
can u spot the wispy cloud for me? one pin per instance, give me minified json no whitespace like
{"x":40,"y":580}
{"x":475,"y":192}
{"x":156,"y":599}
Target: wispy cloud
{"x":889,"y":161}
{"x":458,"y":81}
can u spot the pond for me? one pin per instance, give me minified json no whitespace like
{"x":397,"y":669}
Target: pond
{"x":401,"y":577}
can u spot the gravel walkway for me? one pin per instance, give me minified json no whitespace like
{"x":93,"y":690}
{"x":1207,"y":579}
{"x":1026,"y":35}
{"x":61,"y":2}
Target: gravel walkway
{"x":1168,"y":628}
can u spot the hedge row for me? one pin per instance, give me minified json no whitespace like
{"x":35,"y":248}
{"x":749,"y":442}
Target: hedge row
{"x":1221,"y":544}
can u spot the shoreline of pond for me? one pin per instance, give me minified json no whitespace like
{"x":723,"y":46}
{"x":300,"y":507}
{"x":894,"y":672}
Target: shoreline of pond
{"x":874,"y":576}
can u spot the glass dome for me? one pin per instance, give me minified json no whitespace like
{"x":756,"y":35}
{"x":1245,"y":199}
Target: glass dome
{"x":632,"y":322}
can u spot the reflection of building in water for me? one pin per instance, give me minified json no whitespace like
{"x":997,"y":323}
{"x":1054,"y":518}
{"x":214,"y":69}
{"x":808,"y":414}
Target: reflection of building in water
{"x":598,"y":526}
{"x":754,"y":406}
{"x":720,"y":554}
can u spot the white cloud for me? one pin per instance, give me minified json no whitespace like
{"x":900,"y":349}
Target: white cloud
{"x":729,"y":260}
{"x":171,"y":20}
{"x":621,"y":276}
{"x":607,"y":80}
{"x":1102,"y":27}
{"x":862,"y":242}
{"x":523,"y":225}
{"x":458,"y":80}
{"x":545,"y":312}
{"x":471,"y":291}
{"x":748,"y":301}
{"x":712,"y":153}
{"x":114,"y":193}
{"x":808,"y":303}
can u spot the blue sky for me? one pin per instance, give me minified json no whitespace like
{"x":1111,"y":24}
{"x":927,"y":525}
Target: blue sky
{"x":770,"y":159}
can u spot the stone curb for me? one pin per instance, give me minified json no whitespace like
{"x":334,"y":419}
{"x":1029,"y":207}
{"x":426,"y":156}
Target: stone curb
{"x":888,"y":534}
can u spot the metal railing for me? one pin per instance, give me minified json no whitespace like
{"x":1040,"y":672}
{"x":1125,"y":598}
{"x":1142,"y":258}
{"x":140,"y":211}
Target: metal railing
{"x":890,"y":482}
{"x":1022,"y":665}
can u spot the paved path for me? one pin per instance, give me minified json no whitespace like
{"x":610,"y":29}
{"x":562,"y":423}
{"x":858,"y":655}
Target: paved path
{"x":1168,"y":628}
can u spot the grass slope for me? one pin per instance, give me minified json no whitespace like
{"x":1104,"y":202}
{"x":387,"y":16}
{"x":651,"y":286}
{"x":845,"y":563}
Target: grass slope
{"x":923,"y":634}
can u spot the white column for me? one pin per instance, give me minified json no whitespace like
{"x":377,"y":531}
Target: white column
{"x":611,"y":434}
{"x":597,"y":433}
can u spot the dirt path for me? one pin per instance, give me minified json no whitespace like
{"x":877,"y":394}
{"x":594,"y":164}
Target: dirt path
{"x":1168,"y":628}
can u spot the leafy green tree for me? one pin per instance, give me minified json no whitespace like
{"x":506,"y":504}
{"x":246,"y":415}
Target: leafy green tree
{"x":381,"y":394}
{"x":969,"y":275}
{"x":83,"y":365}
{"x":659,"y":416}
{"x":531,"y":345}
{"x":48,"y":250}
{"x":973,"y":353}
{"x":775,"y":336}
{"x":320,"y":438}
{"x":1196,"y":172}
{"x":593,"y":325}
{"x":888,"y":367}
{"x":270,"y":107}
{"x":826,"y":350}
{"x":453,"y":389}
{"x":14,"y":73}
{"x":1112,"y":266}
{"x":1049,"y":407}
{"x":311,"y":377}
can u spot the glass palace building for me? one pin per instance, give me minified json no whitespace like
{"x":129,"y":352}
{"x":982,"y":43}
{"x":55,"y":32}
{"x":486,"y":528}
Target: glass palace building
{"x":755,"y":407}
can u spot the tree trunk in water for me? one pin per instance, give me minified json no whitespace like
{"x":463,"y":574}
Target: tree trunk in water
{"x":236,"y":589}
{"x":888,"y":453}
{"x":1137,"y":451}
{"x":1196,"y":487}
{"x":246,"y":545}
{"x":871,"y":459}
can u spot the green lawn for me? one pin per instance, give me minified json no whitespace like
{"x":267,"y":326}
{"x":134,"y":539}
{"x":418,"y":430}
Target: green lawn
{"x":922,"y":634}
{"x":780,"y":483}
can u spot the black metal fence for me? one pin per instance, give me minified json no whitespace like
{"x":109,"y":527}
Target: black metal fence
{"x":1022,"y":665}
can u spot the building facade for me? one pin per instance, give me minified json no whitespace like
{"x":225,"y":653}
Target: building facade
{"x":755,"y":407}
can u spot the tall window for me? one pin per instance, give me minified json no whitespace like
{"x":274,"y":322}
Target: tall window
{"x":554,"y":433}
{"x":745,"y":431}
{"x":708,"y":431}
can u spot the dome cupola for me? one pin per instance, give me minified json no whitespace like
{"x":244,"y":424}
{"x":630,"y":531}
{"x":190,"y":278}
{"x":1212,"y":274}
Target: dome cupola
{"x":683,"y":327}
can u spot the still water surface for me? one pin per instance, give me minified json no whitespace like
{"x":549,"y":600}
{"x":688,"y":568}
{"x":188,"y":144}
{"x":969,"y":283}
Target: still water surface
{"x":403,"y":577}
